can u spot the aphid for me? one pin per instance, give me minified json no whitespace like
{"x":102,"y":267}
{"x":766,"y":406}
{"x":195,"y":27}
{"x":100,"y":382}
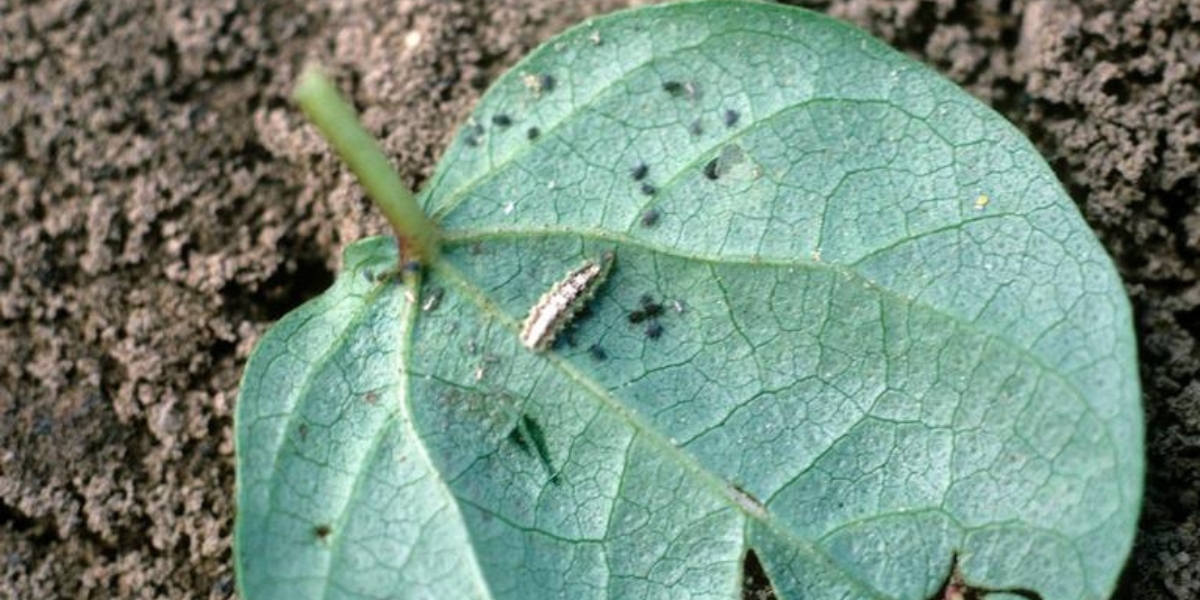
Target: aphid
{"x":710,"y":170}
{"x":696,"y":128}
{"x":639,"y":171}
{"x":654,"y":330}
{"x":555,"y":309}
{"x":597,"y":353}
{"x":674,"y":88}
{"x":650,"y":217}
{"x":501,"y":120}
{"x":648,"y":189}
{"x":322,"y":531}
{"x":533,"y":133}
{"x":650,"y":307}
{"x":730,"y":117}
{"x":649,"y":310}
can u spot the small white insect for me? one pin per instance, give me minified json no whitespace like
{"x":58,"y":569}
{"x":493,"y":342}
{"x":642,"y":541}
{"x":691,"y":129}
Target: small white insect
{"x":555,"y":309}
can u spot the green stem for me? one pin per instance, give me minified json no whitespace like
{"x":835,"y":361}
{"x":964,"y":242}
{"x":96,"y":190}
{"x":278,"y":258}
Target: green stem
{"x":335,"y":118}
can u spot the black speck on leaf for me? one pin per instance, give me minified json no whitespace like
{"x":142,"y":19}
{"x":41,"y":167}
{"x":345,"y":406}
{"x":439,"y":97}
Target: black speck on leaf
{"x":648,"y":189}
{"x":533,"y":133}
{"x":650,"y":218}
{"x":649,"y":307}
{"x":597,"y":353}
{"x":696,"y":128}
{"x":637,"y":316}
{"x":710,"y":170}
{"x":730,"y":117}
{"x":547,"y":82}
{"x":322,"y":531}
{"x":501,"y":120}
{"x":654,"y":330}
{"x":639,"y":171}
{"x":674,"y":88}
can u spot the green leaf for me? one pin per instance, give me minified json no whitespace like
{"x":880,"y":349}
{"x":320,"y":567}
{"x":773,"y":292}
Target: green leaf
{"x":889,"y":345}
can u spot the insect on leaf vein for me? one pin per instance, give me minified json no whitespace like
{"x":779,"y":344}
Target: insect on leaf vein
{"x":555,"y":309}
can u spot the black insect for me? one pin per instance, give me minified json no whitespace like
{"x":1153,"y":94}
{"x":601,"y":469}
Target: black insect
{"x":501,"y":120}
{"x":730,"y":117}
{"x":696,"y":128}
{"x":533,"y":133}
{"x":597,"y":353}
{"x":650,"y":217}
{"x":654,"y":330}
{"x":674,"y":88}
{"x":649,"y":309}
{"x":639,"y":171}
{"x":322,"y":531}
{"x":648,"y":189}
{"x":710,"y":170}
{"x":546,"y":82}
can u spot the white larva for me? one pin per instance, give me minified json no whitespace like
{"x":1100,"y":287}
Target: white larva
{"x":555,"y":309}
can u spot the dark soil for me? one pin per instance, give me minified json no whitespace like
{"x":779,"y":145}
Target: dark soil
{"x":161,"y":203}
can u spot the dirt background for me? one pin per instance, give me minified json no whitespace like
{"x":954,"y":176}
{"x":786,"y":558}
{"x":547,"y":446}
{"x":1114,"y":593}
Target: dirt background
{"x":161,"y":204}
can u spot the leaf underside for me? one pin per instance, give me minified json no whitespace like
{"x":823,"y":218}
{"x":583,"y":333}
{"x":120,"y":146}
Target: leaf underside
{"x":886,"y":344}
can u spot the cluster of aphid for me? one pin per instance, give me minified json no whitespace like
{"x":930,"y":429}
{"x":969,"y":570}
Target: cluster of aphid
{"x":556,"y":308}
{"x":538,"y":84}
{"x":648,"y":312}
{"x":640,"y":171}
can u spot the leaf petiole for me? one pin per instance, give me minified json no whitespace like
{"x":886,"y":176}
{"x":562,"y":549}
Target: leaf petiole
{"x":335,"y":119}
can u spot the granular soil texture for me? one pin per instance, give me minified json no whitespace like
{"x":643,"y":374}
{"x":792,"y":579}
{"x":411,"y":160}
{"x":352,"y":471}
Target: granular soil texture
{"x":161,"y":203}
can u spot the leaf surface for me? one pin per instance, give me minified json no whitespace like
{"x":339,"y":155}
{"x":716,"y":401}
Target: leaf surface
{"x":875,"y":340}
